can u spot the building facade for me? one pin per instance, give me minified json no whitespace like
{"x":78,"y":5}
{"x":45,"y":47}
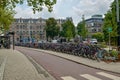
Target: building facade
{"x":31,"y":30}
{"x":94,"y":24}
{"x":28,"y":29}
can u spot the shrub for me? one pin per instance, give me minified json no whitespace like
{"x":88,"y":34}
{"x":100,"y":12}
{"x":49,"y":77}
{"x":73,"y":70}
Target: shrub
{"x":102,"y":45}
{"x":114,"y":53}
{"x":99,"y":36}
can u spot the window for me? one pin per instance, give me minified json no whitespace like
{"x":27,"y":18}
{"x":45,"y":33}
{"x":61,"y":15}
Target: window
{"x":20,"y":26}
{"x":37,"y":32}
{"x":20,"y":32}
{"x":93,"y":30}
{"x":41,"y":32}
{"x":17,"y":39}
{"x":17,"y":26}
{"x":37,"y":27}
{"x":23,"y":32}
{"x":17,"y":32}
{"x":99,"y":30}
{"x":30,"y":27}
{"x":27,"y":32}
{"x":30,"y":32}
{"x":40,"y":27}
{"x":33,"y":32}
{"x":24,"y":27}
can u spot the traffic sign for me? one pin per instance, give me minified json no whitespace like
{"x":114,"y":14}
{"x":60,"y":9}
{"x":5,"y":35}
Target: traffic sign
{"x":110,"y":29}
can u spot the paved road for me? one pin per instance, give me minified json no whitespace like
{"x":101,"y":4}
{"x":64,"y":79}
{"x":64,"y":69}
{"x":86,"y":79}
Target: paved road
{"x":63,"y":69}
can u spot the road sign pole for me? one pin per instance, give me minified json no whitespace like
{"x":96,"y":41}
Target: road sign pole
{"x":109,"y":42}
{"x":118,"y":24}
{"x":109,"y":30}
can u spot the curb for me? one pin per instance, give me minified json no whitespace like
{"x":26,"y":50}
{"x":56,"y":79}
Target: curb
{"x":44,"y":74}
{"x":40,"y":69}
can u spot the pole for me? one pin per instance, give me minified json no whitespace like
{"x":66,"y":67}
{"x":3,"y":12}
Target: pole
{"x":29,"y":24}
{"x":109,"y":42}
{"x":117,"y":9}
{"x":118,"y":28}
{"x":13,"y":42}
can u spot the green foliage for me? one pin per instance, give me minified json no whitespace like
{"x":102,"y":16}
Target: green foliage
{"x":110,"y":21}
{"x":52,"y":29}
{"x":7,"y":9}
{"x":82,"y":30}
{"x":114,"y":53}
{"x":37,"y":5}
{"x":102,"y":45}
{"x":6,"y":18}
{"x":99,"y":36}
{"x":68,"y":30}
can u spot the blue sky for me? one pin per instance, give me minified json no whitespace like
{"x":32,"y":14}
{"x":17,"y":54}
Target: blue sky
{"x":67,"y":8}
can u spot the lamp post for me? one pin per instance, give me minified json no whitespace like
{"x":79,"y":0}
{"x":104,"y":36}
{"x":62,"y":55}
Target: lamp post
{"x":117,"y":9}
{"x":29,"y":26}
{"x":118,"y":23}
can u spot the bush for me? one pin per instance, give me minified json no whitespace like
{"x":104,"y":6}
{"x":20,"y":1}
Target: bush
{"x":102,"y":45}
{"x":114,"y":53}
{"x":99,"y":36}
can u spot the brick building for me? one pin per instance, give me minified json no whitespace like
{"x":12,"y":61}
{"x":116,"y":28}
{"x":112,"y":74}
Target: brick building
{"x":31,"y":30}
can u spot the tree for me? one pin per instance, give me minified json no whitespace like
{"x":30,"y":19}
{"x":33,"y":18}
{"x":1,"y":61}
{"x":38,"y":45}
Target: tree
{"x":37,"y":5}
{"x":82,"y":30}
{"x":99,"y":36}
{"x":7,"y":9}
{"x":110,"y":21}
{"x":68,"y":30}
{"x":52,"y":29}
{"x":6,"y":18}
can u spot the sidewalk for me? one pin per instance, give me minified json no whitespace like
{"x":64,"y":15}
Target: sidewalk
{"x":15,"y":66}
{"x":112,"y":67}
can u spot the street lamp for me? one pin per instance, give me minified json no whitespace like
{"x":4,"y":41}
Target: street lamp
{"x":117,"y":9}
{"x":118,"y":23}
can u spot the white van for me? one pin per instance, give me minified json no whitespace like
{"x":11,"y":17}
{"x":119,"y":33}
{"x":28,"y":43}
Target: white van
{"x":54,"y":41}
{"x":93,"y":41}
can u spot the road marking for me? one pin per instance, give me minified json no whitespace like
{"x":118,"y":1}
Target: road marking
{"x":109,"y":76}
{"x":90,"y":77}
{"x":68,"y":78}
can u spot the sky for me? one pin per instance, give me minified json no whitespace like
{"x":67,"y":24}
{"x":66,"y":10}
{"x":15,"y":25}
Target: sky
{"x":67,"y":8}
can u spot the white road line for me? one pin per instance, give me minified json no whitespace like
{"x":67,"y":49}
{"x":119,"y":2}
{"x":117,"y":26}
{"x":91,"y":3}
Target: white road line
{"x":109,"y":75}
{"x":68,"y":78}
{"x":90,"y":77}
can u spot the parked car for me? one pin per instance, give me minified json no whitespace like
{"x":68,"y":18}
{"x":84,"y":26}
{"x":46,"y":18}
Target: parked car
{"x":42,"y":41}
{"x":54,"y":41}
{"x":93,"y":41}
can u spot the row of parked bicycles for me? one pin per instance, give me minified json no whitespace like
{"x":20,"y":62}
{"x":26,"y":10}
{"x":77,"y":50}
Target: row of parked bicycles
{"x":93,"y":52}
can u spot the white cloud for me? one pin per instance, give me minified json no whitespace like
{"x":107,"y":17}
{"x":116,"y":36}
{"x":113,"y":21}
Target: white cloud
{"x":68,"y":8}
{"x":91,"y":7}
{"x":25,"y":12}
